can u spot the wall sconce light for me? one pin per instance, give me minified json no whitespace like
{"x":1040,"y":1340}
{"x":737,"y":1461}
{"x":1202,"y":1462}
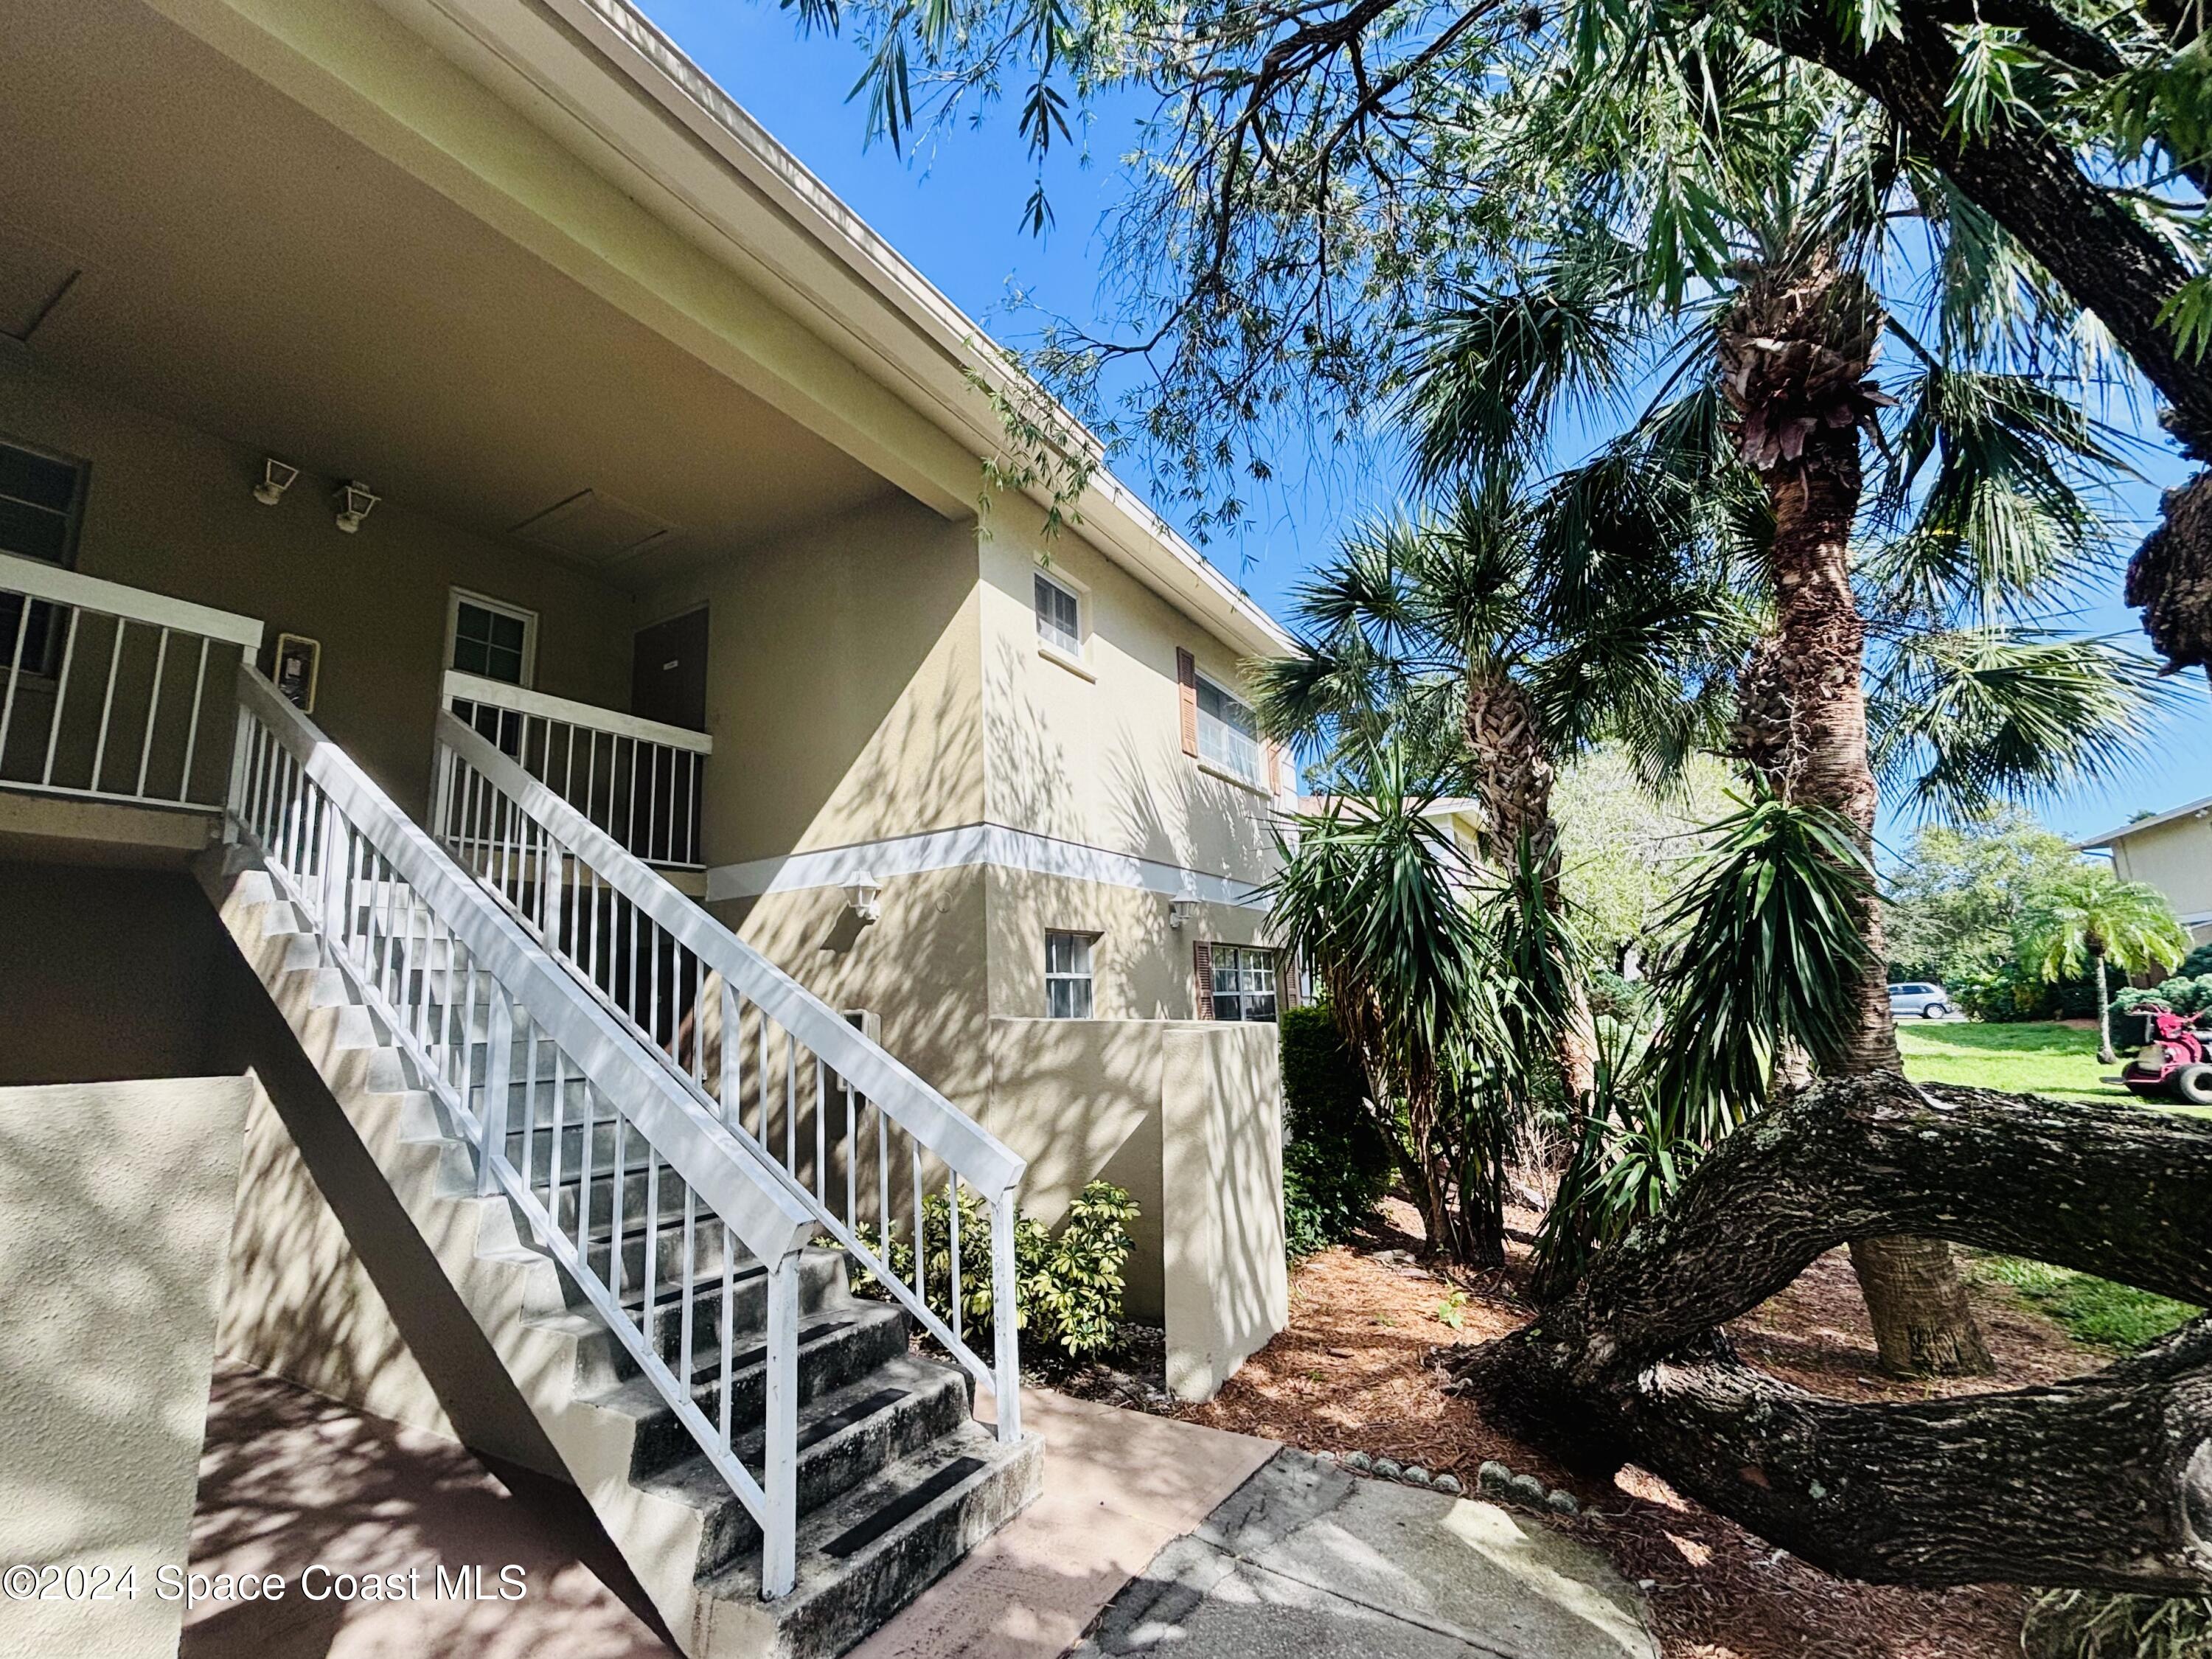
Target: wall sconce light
{"x":353,"y":501}
{"x":1181,"y":912}
{"x":276,"y":478}
{"x":863,"y":895}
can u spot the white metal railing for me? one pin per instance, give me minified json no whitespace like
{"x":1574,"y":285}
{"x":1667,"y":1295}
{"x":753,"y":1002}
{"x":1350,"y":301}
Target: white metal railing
{"x":854,"y":1134}
{"x":501,"y":1032}
{"x":637,"y":780}
{"x":106,"y":688}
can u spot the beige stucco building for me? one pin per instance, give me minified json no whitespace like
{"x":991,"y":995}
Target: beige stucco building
{"x":481,"y":356}
{"x":2172,"y":851}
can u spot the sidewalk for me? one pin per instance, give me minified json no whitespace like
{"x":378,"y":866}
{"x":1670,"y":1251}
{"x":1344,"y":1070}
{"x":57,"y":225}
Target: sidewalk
{"x":1168,"y":1538}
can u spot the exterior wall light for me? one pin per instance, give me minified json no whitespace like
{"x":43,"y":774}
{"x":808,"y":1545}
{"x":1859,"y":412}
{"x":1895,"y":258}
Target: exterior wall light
{"x":276,"y":478}
{"x":353,"y":501}
{"x":1182,"y":911}
{"x":863,"y":895}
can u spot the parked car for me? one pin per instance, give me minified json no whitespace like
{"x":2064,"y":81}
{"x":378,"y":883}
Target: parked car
{"x":1928,"y":1001}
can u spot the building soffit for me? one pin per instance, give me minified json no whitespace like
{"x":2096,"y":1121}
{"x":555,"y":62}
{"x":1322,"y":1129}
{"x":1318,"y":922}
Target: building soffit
{"x":892,"y":388}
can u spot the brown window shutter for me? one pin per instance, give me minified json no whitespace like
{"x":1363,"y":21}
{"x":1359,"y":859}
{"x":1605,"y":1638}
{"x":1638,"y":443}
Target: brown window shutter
{"x":1186,"y":686}
{"x":1286,"y":981}
{"x":1201,"y":958}
{"x":1275,"y":769}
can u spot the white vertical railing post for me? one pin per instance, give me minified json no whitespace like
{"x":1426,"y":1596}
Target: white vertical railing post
{"x":1006,"y":1319}
{"x":241,"y":751}
{"x":780,"y":1465}
{"x":733,"y":1078}
{"x":498,"y":1053}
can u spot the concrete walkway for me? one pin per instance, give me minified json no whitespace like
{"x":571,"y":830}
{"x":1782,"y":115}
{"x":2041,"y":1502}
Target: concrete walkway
{"x":1308,"y":1562}
{"x":1165,"y":1536}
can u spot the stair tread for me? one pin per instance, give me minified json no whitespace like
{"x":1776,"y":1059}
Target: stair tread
{"x":884,"y":1496}
{"x":637,"y":1396}
{"x":695,"y":1482}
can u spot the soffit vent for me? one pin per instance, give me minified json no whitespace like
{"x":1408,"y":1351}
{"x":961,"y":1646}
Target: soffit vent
{"x":591,"y":528}
{"x":34,"y":276}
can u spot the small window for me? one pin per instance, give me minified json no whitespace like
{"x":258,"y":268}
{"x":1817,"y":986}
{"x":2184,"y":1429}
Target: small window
{"x":1059,"y":617}
{"x":1243,"y":983}
{"x":1228,"y":734}
{"x":493,"y":640}
{"x":39,"y":499}
{"x":1067,"y":976}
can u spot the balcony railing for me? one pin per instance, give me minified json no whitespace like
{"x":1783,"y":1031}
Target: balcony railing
{"x":637,"y":780}
{"x":112,"y":692}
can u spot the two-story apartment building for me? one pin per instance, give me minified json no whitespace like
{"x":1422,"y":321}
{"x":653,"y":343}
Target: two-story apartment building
{"x":391,"y":361}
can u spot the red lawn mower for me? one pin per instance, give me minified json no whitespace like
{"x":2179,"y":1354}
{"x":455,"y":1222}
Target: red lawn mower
{"x":2175,"y":1060}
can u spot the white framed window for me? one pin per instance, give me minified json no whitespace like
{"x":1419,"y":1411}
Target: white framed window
{"x":491,"y":639}
{"x":1067,"y":976}
{"x":1228,"y":733}
{"x":1059,"y":614}
{"x":41,"y":500}
{"x":1243,"y":983}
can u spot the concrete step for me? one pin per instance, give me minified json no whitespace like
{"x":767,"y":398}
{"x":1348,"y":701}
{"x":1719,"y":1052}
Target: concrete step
{"x":837,"y":1347}
{"x":883,"y":1542}
{"x":603,"y":1362}
{"x":846,"y":1437}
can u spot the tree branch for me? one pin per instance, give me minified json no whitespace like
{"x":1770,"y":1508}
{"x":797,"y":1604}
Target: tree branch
{"x":2103,"y":1482}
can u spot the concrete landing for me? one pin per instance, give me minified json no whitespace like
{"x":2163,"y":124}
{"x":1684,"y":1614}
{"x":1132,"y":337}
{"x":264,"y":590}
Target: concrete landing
{"x":1306,"y":1561}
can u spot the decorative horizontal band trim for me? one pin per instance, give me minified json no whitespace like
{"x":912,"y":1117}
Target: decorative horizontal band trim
{"x":973,"y":844}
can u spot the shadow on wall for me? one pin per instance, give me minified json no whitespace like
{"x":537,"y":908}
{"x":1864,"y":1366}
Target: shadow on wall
{"x":331,"y":1286}
{"x":118,"y":1198}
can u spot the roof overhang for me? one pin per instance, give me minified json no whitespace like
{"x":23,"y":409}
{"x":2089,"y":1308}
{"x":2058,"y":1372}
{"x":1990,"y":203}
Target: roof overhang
{"x":2195,"y":809}
{"x":793,"y":234}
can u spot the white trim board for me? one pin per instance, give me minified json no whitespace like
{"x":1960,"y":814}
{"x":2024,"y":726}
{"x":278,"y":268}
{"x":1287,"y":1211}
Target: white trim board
{"x":970,"y":845}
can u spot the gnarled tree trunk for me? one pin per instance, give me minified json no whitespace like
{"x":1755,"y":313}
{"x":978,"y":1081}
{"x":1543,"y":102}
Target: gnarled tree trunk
{"x":1796,"y":350}
{"x":2104,"y":1481}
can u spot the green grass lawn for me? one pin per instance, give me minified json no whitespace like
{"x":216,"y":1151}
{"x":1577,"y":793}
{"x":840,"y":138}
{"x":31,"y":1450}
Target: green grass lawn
{"x":2043,"y":1057}
{"x":2040,"y":1057}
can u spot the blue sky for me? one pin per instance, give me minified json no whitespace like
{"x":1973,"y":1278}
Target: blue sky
{"x":954,"y":210}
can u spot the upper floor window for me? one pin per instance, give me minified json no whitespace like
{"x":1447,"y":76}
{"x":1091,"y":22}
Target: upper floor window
{"x":40,"y":496}
{"x":1228,"y":733}
{"x":494,"y":641}
{"x":1067,"y":976}
{"x":1059,"y":616}
{"x":1243,"y":983}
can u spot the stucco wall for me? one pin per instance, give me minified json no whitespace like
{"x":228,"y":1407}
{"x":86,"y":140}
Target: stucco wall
{"x":1188,"y":1117}
{"x":2175,"y":858}
{"x":842,"y":683}
{"x":170,"y":509}
{"x":118,"y":1200}
{"x":1099,"y":760}
{"x":105,"y":974}
{"x":1141,"y":968}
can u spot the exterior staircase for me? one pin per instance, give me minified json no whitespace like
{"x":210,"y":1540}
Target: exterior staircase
{"x":779,"y":1466}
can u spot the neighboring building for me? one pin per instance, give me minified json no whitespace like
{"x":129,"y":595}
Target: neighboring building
{"x":481,"y":356}
{"x":2172,"y":851}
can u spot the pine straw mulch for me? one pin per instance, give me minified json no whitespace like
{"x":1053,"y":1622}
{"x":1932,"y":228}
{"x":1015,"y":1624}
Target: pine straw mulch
{"x":1350,"y":1373}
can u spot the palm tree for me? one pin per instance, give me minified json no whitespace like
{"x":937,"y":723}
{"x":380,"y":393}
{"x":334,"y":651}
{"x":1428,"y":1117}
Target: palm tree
{"x":1436,"y":633}
{"x":1761,"y":311}
{"x":2091,"y":917}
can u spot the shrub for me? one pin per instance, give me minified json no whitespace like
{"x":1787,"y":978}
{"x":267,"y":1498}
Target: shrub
{"x":1336,"y":1163}
{"x":2185,"y":993}
{"x":1612,"y":997}
{"x":2010,"y":992}
{"x":2196,"y":962}
{"x":1069,"y":1285}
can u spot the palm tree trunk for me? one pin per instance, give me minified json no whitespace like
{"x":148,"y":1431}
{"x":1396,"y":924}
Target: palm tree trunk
{"x":2105,"y":1056}
{"x":1795,"y":353}
{"x":1514,"y":775}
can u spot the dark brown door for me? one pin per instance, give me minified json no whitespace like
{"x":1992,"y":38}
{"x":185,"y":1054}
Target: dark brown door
{"x":668,"y":672}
